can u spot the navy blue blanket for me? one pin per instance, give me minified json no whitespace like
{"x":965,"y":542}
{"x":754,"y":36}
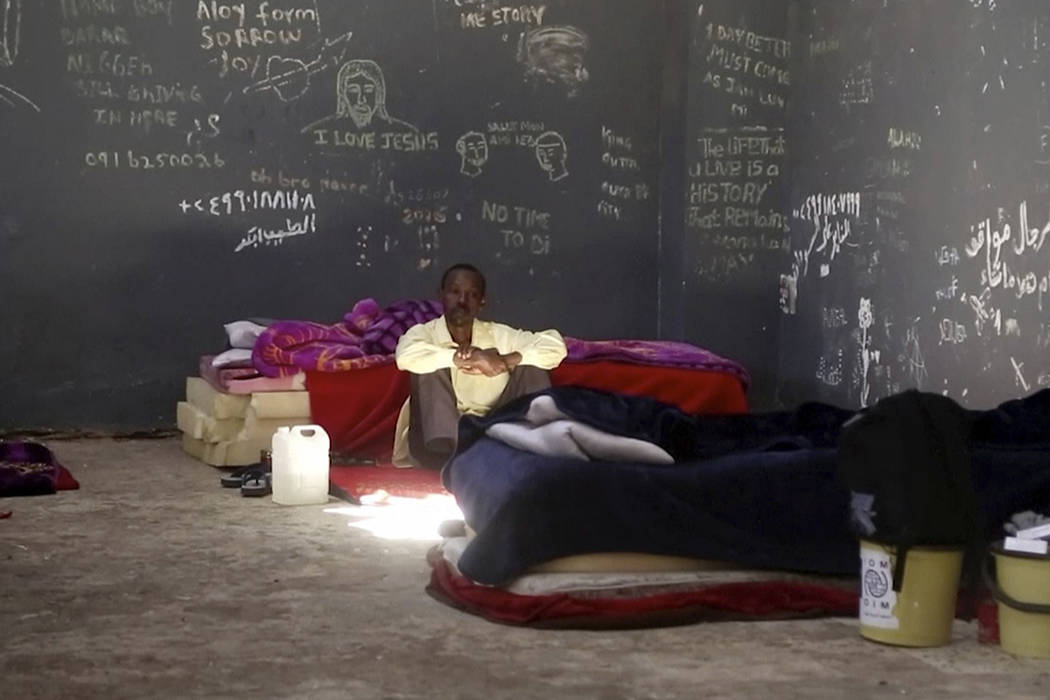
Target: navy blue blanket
{"x":758,"y":490}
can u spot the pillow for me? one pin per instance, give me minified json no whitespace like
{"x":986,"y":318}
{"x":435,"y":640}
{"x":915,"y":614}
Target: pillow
{"x":234,"y":356}
{"x":243,"y":334}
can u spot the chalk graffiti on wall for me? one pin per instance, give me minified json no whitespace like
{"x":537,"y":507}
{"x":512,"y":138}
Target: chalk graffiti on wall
{"x":913,"y":359}
{"x":552,"y":153}
{"x":868,"y":356}
{"x":10,"y":29}
{"x":360,"y":97}
{"x":242,"y":37}
{"x":285,"y":213}
{"x":555,"y":56}
{"x":857,"y":87}
{"x":361,"y":120}
{"x":473,"y":151}
{"x":10,"y":35}
{"x":833,"y":217}
{"x":289,"y":78}
{"x":1012,"y":268}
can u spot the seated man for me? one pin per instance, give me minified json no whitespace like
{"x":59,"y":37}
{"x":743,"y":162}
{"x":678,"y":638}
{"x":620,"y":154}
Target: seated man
{"x":462,"y":365}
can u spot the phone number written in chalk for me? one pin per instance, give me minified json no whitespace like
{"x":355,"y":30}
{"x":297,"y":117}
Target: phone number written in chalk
{"x":152,"y":161}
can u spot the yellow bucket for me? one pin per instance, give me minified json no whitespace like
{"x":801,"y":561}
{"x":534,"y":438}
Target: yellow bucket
{"x":922,"y":612}
{"x":1023,"y":592}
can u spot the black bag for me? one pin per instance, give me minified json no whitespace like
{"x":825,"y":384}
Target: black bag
{"x":907,"y":463}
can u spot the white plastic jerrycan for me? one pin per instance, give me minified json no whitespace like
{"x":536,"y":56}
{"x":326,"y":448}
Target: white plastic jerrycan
{"x":300,"y":465}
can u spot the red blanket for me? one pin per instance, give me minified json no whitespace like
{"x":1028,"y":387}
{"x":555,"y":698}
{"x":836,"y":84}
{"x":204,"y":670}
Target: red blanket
{"x":358,"y":408}
{"x":691,"y":390}
{"x":757,"y":600}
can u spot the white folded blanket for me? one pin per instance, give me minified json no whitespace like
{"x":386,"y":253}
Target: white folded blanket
{"x":549,"y":432}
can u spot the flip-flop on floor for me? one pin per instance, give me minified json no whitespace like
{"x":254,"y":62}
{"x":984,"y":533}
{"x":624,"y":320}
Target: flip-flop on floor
{"x":256,"y":483}
{"x":235,"y":479}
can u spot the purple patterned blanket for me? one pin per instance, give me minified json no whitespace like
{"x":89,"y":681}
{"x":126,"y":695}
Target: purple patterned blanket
{"x":31,"y":469}
{"x":368,"y":337}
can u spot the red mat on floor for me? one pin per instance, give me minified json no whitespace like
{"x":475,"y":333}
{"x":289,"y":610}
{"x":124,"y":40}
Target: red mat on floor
{"x":360,"y":481}
{"x":757,"y":600}
{"x":358,"y":408}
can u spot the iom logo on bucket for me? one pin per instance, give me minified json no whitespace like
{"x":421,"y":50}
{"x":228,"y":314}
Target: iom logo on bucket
{"x":876,"y":582}
{"x":877,"y":598}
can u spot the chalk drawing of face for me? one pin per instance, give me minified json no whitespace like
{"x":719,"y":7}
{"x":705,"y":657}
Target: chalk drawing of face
{"x":361,"y":92}
{"x":555,"y":55}
{"x":474,"y":152}
{"x":360,"y":96}
{"x":552,"y":153}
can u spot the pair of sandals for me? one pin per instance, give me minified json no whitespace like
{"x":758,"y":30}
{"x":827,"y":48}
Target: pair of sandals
{"x":254,"y":480}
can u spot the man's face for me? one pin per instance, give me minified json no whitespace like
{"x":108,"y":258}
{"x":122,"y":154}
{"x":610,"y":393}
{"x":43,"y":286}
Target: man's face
{"x":462,"y":296}
{"x":361,"y":97}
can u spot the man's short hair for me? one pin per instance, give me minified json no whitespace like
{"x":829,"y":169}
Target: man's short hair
{"x":464,"y":266}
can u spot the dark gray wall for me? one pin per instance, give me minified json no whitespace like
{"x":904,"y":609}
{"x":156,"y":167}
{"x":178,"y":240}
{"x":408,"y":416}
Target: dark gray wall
{"x":919,"y":180}
{"x":139,"y":140}
{"x":831,"y":193}
{"x":726,"y":207}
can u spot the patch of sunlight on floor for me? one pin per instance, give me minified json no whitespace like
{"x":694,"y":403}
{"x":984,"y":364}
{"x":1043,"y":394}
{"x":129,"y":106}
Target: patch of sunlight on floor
{"x":397,"y":518}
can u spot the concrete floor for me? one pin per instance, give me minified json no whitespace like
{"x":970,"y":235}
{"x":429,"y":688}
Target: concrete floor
{"x":152,"y":581}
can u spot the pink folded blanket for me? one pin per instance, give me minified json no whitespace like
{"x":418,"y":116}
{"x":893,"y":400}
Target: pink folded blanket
{"x":366,"y":337}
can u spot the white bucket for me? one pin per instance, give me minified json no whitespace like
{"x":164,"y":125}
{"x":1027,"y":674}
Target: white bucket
{"x":300,"y":465}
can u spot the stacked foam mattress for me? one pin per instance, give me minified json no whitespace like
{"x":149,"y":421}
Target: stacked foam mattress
{"x":228,"y":429}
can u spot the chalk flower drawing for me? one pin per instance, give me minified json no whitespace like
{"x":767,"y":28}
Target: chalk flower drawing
{"x":555,"y":56}
{"x":551,"y":152}
{"x":474,"y":152}
{"x":864,"y":316}
{"x":360,"y":94}
{"x":868,"y":356}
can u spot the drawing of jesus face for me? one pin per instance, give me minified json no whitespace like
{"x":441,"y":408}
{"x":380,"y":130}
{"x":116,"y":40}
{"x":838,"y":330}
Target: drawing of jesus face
{"x":361,"y":92}
{"x":361,"y":99}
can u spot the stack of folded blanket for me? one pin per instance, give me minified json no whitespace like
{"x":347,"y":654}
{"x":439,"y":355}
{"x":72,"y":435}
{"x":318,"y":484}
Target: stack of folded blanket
{"x":231,"y":410}
{"x":257,"y":384}
{"x":227,"y":429}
